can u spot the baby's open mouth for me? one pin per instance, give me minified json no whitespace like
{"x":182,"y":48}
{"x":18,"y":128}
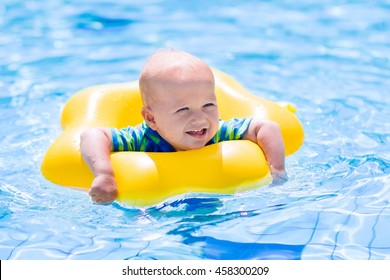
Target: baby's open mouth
{"x":197,"y":132}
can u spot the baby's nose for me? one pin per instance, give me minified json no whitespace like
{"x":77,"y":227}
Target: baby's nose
{"x":198,"y":118}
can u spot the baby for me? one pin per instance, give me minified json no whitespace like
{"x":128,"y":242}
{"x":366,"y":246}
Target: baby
{"x":180,"y":113}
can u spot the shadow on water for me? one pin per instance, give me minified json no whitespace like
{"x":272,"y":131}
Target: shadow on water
{"x":227,"y":250}
{"x":194,"y":213}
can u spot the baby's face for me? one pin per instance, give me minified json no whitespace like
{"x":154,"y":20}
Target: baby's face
{"x":185,"y":113}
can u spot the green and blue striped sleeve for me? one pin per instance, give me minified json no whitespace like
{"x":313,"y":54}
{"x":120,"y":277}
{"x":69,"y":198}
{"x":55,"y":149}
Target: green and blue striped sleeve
{"x":233,"y":129}
{"x":126,"y":139}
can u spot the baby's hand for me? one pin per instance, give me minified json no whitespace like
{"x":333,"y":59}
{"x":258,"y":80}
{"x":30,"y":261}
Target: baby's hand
{"x":104,"y":189}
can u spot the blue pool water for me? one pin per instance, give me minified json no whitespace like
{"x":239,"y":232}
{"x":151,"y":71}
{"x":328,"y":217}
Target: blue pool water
{"x":330,"y":58}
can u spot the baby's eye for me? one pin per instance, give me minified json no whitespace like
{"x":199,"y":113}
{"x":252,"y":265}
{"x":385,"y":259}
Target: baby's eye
{"x":182,"y":109}
{"x":208,"y":105}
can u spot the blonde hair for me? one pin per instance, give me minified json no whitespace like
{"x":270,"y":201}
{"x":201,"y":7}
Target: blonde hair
{"x":167,"y":64}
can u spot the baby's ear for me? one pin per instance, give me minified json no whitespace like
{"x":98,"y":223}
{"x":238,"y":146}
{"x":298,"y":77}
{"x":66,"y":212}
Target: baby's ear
{"x":148,"y":115}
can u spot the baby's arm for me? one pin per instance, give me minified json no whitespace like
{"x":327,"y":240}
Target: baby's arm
{"x":95,"y":147}
{"x":268,"y":136}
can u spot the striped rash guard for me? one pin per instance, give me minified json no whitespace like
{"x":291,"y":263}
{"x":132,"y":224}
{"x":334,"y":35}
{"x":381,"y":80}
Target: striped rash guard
{"x":145,"y":139}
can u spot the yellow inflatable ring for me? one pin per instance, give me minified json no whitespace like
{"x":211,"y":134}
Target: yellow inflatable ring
{"x":148,"y":178}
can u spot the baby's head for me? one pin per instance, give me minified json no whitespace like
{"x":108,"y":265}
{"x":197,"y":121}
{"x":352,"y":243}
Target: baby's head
{"x":179,"y":99}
